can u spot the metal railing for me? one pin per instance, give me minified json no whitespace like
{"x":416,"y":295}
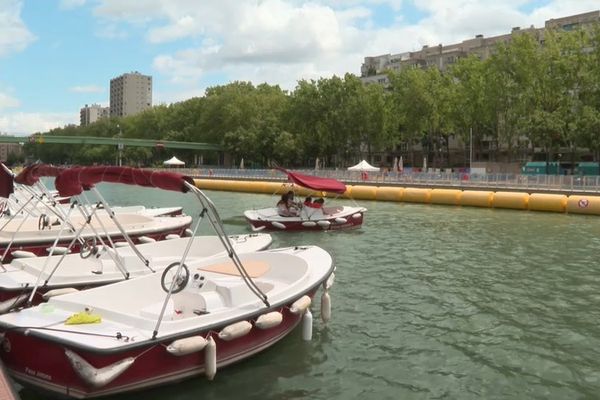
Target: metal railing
{"x":518,"y":182}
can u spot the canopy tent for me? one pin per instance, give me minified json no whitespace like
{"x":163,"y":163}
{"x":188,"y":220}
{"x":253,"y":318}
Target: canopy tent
{"x":315,"y":182}
{"x":174,"y":161}
{"x":363,"y":166}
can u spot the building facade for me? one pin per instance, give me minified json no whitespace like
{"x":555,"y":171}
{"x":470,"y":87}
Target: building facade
{"x":92,"y":113}
{"x":130,"y":94}
{"x":373,"y":69}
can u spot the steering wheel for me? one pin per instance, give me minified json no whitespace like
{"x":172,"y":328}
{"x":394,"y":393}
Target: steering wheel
{"x":169,"y":274}
{"x":43,"y":222}
{"x":88,"y":248}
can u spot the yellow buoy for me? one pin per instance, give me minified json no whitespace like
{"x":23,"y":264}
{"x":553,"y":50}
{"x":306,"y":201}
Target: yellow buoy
{"x":547,"y":202}
{"x":446,"y":196}
{"x":364,"y":192}
{"x":416,"y":195}
{"x":476,"y":198}
{"x":514,"y":200}
{"x":386,"y":193}
{"x":583,"y":205}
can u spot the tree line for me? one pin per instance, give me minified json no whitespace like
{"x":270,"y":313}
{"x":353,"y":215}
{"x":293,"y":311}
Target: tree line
{"x":525,"y":95}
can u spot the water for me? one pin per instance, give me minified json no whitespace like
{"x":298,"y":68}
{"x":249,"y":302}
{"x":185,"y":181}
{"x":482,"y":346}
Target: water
{"x":429,"y":302}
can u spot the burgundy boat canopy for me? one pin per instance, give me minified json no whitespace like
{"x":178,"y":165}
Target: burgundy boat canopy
{"x":315,"y":182}
{"x":7,"y":186}
{"x":73,"y":181}
{"x":31,"y":174}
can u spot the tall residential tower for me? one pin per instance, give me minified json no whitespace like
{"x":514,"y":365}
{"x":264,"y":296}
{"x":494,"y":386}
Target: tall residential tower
{"x":130,"y":94}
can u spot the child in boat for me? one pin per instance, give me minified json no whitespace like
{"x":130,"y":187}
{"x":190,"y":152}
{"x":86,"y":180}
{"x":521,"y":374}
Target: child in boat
{"x":283,"y":207}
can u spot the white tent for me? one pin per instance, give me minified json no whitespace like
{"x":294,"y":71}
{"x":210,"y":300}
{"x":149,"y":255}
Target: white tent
{"x":363,"y":166}
{"x":173,"y":161}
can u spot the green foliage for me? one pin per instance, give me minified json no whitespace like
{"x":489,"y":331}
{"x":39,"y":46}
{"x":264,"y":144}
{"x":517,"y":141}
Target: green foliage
{"x":547,"y":95}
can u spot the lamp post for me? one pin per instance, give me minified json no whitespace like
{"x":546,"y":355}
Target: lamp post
{"x":120,"y":145}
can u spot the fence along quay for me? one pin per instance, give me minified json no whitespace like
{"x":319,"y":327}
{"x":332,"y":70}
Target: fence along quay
{"x":563,"y":194}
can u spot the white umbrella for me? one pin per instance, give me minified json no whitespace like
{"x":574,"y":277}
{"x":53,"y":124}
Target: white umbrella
{"x":425,"y":164}
{"x":401,"y":165}
{"x":395,"y":167}
{"x":317,"y":163}
{"x":242,"y":163}
{"x":363,"y":166}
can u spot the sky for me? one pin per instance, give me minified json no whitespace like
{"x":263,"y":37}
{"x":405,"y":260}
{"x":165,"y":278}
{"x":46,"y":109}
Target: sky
{"x":56,"y":56}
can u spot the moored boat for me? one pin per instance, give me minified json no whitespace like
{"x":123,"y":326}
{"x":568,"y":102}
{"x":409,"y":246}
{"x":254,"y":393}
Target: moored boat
{"x":199,"y":315}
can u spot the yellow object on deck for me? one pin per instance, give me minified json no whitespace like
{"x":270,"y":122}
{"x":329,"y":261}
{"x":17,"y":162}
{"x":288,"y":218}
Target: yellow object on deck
{"x":83,"y":317}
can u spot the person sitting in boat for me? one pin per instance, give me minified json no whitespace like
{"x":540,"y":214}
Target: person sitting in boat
{"x":293,"y":204}
{"x":308,"y":201}
{"x":283,"y":208}
{"x":318,"y":203}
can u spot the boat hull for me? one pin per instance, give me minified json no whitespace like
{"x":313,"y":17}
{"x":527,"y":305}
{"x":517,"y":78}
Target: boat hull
{"x":153,"y":365}
{"x":40,"y":247}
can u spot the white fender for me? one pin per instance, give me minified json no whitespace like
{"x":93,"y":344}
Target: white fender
{"x":172,"y":236}
{"x":325,"y":307}
{"x":183,"y":347}
{"x":210,"y":359}
{"x":257,"y":228}
{"x":269,"y":320}
{"x":324,"y":223}
{"x":329,"y":281}
{"x":235,"y":330}
{"x":121,"y":244}
{"x":300,"y":305}
{"x":58,"y":250}
{"x":146,"y":239}
{"x":307,"y":325}
{"x":97,"y":377}
{"x":309,"y":224}
{"x":340,"y":220}
{"x":58,"y":292}
{"x":188,"y":232}
{"x":357,"y":216}
{"x":278,"y":225}
{"x":22,"y":254}
{"x":12,"y":302}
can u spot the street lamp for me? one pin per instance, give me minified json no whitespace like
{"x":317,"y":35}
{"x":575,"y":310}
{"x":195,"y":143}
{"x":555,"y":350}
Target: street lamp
{"x":120,"y":145}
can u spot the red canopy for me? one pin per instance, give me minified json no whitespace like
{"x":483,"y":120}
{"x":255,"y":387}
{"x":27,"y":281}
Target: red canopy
{"x":6,"y":182}
{"x":315,"y":182}
{"x":31,"y":174}
{"x":73,"y":181}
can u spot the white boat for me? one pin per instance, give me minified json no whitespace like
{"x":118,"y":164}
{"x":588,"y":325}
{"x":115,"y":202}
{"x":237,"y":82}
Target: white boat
{"x":58,"y":274}
{"x":307,"y":218}
{"x":30,"y":232}
{"x":199,"y":315}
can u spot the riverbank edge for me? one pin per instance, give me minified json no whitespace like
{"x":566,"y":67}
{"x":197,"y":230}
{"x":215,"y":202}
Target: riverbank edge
{"x":558,"y":201}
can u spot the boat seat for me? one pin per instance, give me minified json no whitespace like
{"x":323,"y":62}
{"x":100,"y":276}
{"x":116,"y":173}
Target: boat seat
{"x":153,"y":310}
{"x":254,"y":269}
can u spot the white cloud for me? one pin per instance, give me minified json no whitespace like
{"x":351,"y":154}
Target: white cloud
{"x":69,"y":4}
{"x":14,"y":35}
{"x":22,"y":123}
{"x":7,"y":101}
{"x":87,"y":89}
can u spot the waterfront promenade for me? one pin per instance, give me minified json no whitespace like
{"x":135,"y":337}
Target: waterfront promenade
{"x":555,"y":184}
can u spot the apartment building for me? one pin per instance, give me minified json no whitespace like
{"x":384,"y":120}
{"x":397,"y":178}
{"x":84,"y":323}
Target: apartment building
{"x":92,"y":113}
{"x":373,"y":69}
{"x":130,"y":93}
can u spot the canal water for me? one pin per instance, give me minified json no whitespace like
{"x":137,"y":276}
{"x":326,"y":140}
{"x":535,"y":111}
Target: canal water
{"x":429,"y":302}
